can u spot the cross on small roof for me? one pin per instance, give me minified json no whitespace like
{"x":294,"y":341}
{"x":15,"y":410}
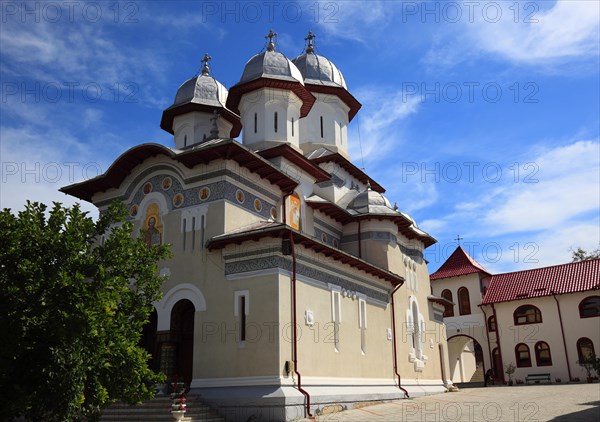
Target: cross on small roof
{"x":270,"y":36}
{"x":205,"y":67}
{"x":310,"y":48}
{"x":458,"y":239}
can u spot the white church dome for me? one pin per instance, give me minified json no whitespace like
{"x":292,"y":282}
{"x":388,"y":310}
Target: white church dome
{"x":370,"y":202}
{"x":270,"y":64}
{"x":201,"y":89}
{"x":318,"y":70}
{"x":201,"y":93}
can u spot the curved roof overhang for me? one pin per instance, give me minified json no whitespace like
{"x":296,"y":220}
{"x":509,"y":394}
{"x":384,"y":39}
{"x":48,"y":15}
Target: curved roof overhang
{"x":166,"y":122}
{"x":405,"y":226}
{"x":347,"y":165}
{"x":237,"y":91}
{"x":291,"y":154}
{"x":284,"y":231}
{"x":227,"y":149}
{"x":339,"y":92}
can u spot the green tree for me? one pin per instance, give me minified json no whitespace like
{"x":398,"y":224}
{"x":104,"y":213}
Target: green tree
{"x":74,"y":295}
{"x":582,"y":255}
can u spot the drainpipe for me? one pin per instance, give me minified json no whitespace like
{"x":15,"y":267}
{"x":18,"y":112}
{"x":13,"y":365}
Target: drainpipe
{"x":562,"y":330}
{"x":394,"y":345}
{"x":487,"y":334}
{"x":294,"y":324}
{"x":498,"y":340}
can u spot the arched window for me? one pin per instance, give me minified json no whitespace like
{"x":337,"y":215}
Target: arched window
{"x":275,"y":122}
{"x":542,"y":354}
{"x":589,"y":307}
{"x":527,"y":314}
{"x":491,"y":324}
{"x":449,"y":312}
{"x":464,"y":303}
{"x":522,"y":355}
{"x":255,"y":122}
{"x":585,"y":348}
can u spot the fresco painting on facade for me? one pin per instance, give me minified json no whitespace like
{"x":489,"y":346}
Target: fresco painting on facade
{"x":153,"y":225}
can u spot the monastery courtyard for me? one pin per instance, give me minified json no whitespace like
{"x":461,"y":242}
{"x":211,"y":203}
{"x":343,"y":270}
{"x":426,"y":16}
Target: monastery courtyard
{"x":555,"y":402}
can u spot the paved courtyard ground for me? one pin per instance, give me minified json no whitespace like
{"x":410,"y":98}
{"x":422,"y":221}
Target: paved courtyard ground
{"x":555,"y":402}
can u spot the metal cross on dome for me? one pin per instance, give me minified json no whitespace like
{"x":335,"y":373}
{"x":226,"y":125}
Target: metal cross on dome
{"x":458,"y":239}
{"x":270,"y":36}
{"x":310,"y":48}
{"x":205,"y":67}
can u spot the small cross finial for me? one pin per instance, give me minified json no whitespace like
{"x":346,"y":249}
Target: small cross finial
{"x":270,"y":36}
{"x":458,"y":239}
{"x":205,"y":67}
{"x":368,"y":185}
{"x":395,"y":206}
{"x":310,"y":48}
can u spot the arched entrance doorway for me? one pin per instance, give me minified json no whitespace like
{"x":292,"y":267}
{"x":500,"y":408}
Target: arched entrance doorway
{"x":182,"y":337}
{"x":497,"y":366}
{"x":148,"y":340}
{"x":466,"y":360}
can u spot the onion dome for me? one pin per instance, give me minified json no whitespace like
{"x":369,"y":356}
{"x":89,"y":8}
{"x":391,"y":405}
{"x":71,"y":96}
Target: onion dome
{"x":322,"y":75}
{"x":270,"y":69}
{"x":201,"y":93}
{"x":370,"y":202}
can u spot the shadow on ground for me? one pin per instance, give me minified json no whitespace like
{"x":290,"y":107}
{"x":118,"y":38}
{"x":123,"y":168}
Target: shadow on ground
{"x":592,"y":414}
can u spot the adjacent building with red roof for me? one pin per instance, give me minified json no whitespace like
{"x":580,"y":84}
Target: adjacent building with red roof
{"x":543,"y":320}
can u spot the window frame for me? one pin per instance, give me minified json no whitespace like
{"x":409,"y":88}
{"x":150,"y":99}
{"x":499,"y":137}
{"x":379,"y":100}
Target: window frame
{"x":581,"y":306}
{"x":536,"y":313}
{"x":537,"y":350}
{"x":492,"y":320}
{"x":580,"y":340}
{"x":462,"y":291}
{"x":518,"y":359}
{"x":449,"y":309}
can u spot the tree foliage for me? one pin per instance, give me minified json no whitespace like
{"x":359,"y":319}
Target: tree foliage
{"x":582,"y":255}
{"x":74,"y":296}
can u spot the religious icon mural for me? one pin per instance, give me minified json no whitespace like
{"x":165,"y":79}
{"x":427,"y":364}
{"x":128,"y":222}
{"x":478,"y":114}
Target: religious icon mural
{"x":153,"y":225}
{"x":294,"y":211}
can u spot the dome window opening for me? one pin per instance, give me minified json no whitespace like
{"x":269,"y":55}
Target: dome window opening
{"x":185,"y":141}
{"x":321,"y":126}
{"x":292,"y":126}
{"x":255,"y":122}
{"x":275,"y":122}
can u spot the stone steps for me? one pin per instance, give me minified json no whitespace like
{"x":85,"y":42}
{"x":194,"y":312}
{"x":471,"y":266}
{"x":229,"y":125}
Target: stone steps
{"x":159,"y":410}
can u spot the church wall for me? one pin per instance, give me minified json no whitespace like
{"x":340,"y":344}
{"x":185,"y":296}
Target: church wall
{"x":420,"y":375}
{"x":219,"y":351}
{"x":473,"y":325}
{"x":548,"y":331}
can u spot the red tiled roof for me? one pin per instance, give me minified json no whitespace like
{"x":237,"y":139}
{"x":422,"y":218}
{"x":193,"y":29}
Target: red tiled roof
{"x":459,"y":263}
{"x":559,"y":279}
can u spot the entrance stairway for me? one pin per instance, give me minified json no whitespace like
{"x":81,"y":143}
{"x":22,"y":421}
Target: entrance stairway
{"x":478,"y":374}
{"x":159,"y":410}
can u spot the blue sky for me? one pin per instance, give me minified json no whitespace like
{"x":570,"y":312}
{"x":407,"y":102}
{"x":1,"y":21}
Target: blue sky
{"x":480,"y":119}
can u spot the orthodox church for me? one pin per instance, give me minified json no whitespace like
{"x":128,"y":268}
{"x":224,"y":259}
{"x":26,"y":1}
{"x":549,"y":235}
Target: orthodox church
{"x":294,"y":283}
{"x":542,"y":321}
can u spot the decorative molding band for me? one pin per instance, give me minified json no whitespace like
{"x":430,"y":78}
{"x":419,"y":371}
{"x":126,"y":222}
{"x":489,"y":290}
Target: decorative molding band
{"x":328,"y":227}
{"x":278,"y":261}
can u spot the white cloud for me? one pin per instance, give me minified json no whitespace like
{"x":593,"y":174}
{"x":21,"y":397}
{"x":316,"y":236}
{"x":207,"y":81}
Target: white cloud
{"x":566,"y":32}
{"x":380,"y":117}
{"x":355,"y":20}
{"x":36,"y":163}
{"x":567,"y":187}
